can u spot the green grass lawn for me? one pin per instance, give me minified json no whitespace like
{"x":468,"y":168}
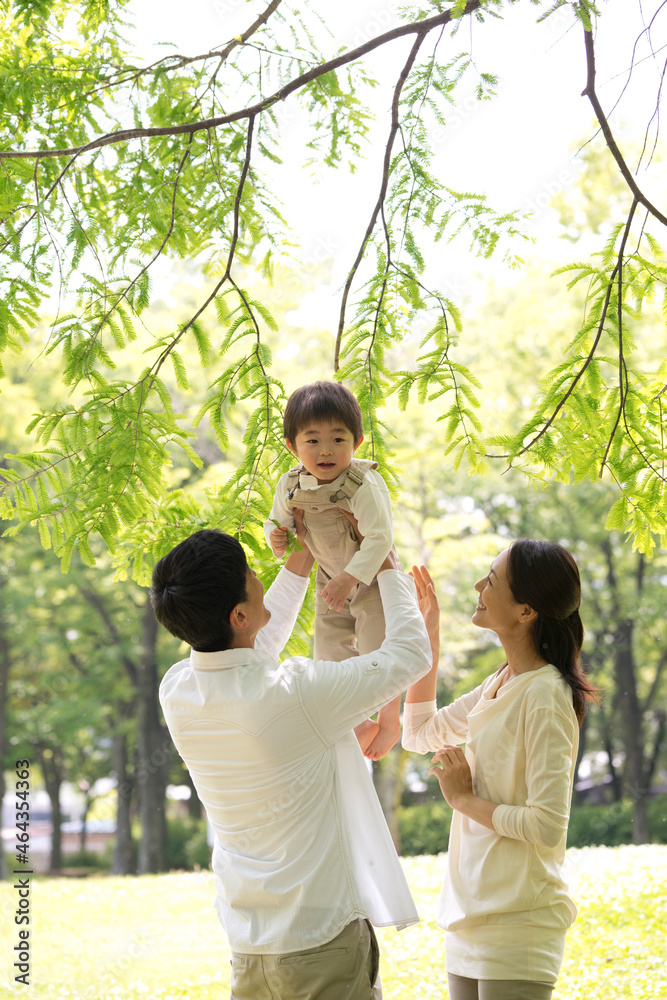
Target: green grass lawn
{"x":157,"y":937}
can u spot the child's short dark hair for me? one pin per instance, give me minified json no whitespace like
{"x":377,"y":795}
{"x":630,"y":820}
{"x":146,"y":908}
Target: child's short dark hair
{"x":196,"y":586}
{"x":322,"y":401}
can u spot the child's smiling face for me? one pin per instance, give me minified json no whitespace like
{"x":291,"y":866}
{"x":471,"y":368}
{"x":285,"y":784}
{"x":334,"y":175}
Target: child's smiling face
{"x":324,"y":449}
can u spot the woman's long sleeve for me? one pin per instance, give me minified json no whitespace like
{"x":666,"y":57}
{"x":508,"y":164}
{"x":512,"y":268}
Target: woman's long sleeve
{"x":427,"y":728}
{"x":551,"y":750}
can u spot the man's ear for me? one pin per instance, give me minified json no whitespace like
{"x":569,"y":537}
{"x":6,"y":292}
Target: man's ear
{"x":359,"y":442}
{"x":238,"y":618}
{"x":291,"y":447}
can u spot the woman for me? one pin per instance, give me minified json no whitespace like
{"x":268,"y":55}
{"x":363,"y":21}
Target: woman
{"x":504,"y":903}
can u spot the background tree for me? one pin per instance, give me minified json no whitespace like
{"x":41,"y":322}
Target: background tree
{"x":86,"y":692}
{"x":460,"y":523}
{"x":170,"y":416}
{"x":109,"y":166}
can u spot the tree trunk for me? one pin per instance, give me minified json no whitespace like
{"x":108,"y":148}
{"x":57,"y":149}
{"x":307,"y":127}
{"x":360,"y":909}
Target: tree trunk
{"x":154,"y":748}
{"x":83,"y":835}
{"x":658,"y":745}
{"x":388,"y":780}
{"x":631,"y":723}
{"x":583,"y":734}
{"x":616,"y":787}
{"x":123,"y":857}
{"x":53,"y":772}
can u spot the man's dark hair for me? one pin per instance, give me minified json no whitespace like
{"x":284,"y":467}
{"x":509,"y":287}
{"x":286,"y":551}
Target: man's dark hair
{"x":196,"y":586}
{"x":328,"y":401}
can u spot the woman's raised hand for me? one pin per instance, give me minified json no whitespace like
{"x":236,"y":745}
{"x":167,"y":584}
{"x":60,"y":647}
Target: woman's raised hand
{"x":428,"y":599}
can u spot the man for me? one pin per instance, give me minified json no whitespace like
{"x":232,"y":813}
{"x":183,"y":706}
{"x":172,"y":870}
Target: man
{"x":303,"y":859}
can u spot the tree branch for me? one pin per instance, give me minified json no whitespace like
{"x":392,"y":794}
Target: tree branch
{"x":124,"y":135}
{"x":383,"y":191}
{"x":589,"y":91}
{"x":100,"y":607}
{"x":647,"y":703}
{"x":126,"y":291}
{"x":622,"y":369}
{"x":132,"y":74}
{"x":619,"y":263}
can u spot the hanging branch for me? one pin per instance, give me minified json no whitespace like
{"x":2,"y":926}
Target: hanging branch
{"x":622,"y":369}
{"x":158,"y":252}
{"x":443,"y":361}
{"x":124,"y":135}
{"x":381,"y":196}
{"x":589,"y":92}
{"x":146,"y":383}
{"x":268,"y":399}
{"x":379,"y":207}
{"x":616,"y":276}
{"x":170,"y":63}
{"x":610,"y":286}
{"x":230,"y":257}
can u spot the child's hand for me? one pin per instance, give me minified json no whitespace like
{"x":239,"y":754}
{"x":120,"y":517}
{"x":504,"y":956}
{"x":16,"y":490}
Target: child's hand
{"x":337,"y":589}
{"x":283,"y":540}
{"x":278,"y":540}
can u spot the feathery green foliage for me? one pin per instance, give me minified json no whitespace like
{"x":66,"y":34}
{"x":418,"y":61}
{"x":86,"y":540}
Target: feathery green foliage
{"x":109,"y":167}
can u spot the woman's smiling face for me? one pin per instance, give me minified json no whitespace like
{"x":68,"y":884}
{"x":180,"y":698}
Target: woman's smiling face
{"x":496,"y":608}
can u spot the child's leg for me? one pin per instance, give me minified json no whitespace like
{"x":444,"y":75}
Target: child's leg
{"x":366,"y":733}
{"x":334,"y":633}
{"x":389,"y":721}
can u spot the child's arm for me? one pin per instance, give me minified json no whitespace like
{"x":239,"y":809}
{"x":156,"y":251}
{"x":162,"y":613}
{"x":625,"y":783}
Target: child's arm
{"x":371,"y":505}
{"x":277,"y":537}
{"x":336,"y":590}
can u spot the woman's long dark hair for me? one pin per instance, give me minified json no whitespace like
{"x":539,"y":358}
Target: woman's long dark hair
{"x":545,"y":576}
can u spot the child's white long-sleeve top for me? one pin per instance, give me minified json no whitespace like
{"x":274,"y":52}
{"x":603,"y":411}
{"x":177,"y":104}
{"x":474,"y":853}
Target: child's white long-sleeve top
{"x":371,"y":506}
{"x":521,"y":743}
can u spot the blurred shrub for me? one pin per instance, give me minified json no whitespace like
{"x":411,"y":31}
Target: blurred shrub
{"x":187,"y":848}
{"x":593,"y":825}
{"x":424,"y":829}
{"x":85,"y":859}
{"x":611,"y":825}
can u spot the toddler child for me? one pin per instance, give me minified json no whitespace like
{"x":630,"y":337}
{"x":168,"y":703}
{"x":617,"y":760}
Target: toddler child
{"x":323,"y":428}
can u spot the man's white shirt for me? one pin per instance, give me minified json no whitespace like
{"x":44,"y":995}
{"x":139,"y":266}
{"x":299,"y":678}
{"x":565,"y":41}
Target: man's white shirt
{"x":301,"y":845}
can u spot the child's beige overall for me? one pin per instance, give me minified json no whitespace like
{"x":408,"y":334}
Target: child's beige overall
{"x":331,"y":539}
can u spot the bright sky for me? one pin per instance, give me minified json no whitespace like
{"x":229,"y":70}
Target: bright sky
{"x":516,"y":149}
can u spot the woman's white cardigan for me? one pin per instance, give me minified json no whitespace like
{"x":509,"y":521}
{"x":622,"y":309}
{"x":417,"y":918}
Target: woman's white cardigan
{"x":504,"y":901}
